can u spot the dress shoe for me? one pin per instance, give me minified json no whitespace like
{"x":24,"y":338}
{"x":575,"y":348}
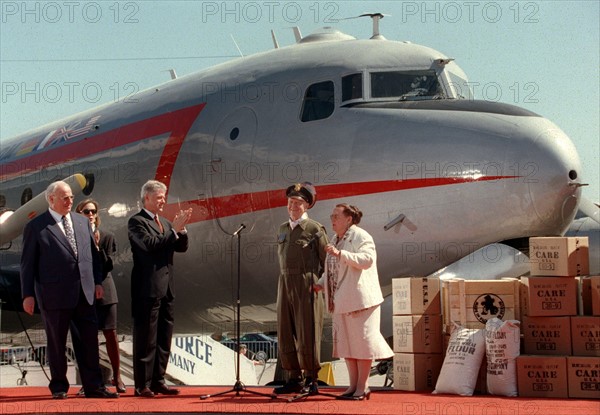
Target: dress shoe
{"x":119,"y":386}
{"x":59,"y":395}
{"x":366,"y":395}
{"x":81,"y":392}
{"x":101,"y":393}
{"x":346,"y":395}
{"x":144,"y":393}
{"x":311,"y":387}
{"x":164,"y":389}
{"x":292,"y":386}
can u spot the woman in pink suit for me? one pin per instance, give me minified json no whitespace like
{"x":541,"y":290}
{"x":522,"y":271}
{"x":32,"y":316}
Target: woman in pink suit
{"x":353,"y":297}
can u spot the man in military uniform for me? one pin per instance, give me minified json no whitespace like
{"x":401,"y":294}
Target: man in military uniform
{"x":301,"y":249}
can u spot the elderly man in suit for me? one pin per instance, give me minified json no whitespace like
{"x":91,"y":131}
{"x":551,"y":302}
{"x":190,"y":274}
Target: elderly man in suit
{"x":154,"y":240}
{"x":60,"y":268}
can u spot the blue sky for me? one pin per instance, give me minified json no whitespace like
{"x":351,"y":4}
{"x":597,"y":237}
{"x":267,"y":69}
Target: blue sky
{"x":61,"y":57}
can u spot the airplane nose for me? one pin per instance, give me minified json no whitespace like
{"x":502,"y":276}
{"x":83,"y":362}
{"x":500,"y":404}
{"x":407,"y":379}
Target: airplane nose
{"x":555,"y":185}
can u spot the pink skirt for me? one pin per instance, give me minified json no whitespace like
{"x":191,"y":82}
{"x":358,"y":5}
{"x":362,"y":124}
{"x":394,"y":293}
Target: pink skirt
{"x":356,"y":335}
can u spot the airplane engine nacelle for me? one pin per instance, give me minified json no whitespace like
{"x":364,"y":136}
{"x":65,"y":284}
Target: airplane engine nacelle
{"x":12,"y":223}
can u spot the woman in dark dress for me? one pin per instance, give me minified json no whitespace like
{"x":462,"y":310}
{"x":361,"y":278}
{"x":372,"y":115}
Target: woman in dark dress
{"x":106,"y":307}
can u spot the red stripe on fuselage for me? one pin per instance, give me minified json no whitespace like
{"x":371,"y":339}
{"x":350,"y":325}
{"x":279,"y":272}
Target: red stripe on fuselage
{"x":166,"y":165}
{"x":245,"y":203}
{"x":177,"y":123}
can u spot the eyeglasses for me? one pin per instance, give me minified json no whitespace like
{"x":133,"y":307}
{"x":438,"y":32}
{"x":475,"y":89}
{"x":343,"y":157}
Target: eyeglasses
{"x":88,"y":211}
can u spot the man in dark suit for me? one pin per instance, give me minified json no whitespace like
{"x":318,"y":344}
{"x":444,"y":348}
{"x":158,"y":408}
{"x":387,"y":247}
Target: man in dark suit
{"x":60,"y":268}
{"x":154,"y":240}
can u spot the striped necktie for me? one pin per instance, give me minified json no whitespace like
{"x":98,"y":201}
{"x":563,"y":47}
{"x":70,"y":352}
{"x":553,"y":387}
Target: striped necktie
{"x":70,"y":234}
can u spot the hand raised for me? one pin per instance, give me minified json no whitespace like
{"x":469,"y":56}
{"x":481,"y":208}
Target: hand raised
{"x":181,"y":219}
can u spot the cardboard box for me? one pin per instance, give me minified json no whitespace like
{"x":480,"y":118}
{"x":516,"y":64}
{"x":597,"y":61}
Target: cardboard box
{"x":542,"y":376}
{"x":584,"y":377}
{"x":414,"y":295}
{"x":416,"y":371}
{"x":548,"y":296}
{"x":590,"y":295}
{"x":546,"y":335}
{"x":559,"y":256}
{"x":471,"y":303}
{"x":417,"y":334}
{"x":585,"y":336}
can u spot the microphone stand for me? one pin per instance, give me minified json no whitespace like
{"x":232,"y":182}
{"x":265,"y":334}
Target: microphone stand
{"x":307,"y":392}
{"x":238,"y":386}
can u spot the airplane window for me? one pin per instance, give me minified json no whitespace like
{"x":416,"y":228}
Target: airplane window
{"x":318,"y":101}
{"x":352,"y":87}
{"x":461,"y":86}
{"x":404,"y":85}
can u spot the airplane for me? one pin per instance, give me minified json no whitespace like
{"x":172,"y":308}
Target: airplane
{"x":389,"y":126}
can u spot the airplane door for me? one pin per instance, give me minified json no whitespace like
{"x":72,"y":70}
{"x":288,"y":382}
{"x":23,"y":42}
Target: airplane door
{"x":232,"y":170}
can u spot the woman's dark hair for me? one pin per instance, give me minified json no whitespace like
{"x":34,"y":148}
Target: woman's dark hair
{"x":81,"y":204}
{"x":352,"y":211}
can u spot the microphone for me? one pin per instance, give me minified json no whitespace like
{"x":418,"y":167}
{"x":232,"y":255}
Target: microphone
{"x":312,"y":239}
{"x":241,"y":228}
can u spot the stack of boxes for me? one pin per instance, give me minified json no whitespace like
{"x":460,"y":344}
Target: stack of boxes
{"x":558,"y":306}
{"x":417,"y":333}
{"x":471,"y":303}
{"x":561,"y":349}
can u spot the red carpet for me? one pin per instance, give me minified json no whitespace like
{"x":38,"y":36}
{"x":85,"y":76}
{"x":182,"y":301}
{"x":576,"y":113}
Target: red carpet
{"x":30,"y":400}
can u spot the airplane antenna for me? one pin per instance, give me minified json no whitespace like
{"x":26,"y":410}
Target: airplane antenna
{"x":297,"y":34}
{"x":274,"y":39}
{"x":398,"y":219}
{"x":376,"y":18}
{"x":172,"y":72}
{"x":236,"y":45}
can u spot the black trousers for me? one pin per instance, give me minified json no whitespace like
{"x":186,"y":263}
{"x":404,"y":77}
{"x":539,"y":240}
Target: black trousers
{"x":152,"y":333}
{"x":84,"y":334}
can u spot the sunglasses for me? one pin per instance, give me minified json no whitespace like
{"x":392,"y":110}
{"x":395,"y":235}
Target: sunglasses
{"x":88,"y":211}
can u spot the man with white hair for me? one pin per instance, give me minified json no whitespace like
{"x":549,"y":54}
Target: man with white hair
{"x":61,"y":268}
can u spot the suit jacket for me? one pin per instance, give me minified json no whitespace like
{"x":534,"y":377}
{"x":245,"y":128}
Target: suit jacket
{"x":358,"y":282}
{"x":107,"y":248}
{"x":152,"y":273}
{"x":51,"y":271}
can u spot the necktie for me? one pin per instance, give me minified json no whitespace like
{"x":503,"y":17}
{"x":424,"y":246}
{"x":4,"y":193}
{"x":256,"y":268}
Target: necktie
{"x":158,"y":223}
{"x":69,"y":234}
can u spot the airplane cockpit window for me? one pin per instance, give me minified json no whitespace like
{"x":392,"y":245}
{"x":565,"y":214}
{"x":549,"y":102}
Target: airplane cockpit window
{"x":318,"y":101}
{"x":461,"y":86}
{"x":352,"y":87}
{"x":405,"y":85}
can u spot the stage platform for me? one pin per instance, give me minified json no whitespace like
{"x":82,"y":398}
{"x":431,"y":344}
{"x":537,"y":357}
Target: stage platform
{"x":37,"y":400}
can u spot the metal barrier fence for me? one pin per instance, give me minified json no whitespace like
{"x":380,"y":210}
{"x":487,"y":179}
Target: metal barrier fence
{"x":259,"y":350}
{"x":23,"y":354}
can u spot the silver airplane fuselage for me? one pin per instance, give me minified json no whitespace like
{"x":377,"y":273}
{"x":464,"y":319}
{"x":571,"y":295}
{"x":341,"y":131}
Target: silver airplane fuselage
{"x":437,"y":175}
